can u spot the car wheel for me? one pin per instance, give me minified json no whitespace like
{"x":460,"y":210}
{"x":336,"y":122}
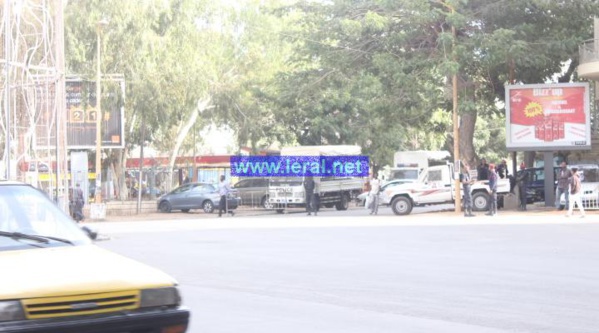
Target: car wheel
{"x":208,"y":206}
{"x":186,"y":210}
{"x":344,"y":203}
{"x":165,"y":207}
{"x":401,"y":206}
{"x":480,"y":201}
{"x":266,"y":204}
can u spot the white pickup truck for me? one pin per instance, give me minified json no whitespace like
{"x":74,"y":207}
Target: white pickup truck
{"x":435,"y":186}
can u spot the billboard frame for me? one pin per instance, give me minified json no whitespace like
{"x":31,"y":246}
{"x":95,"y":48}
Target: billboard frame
{"x":511,"y":147}
{"x":105,"y":78}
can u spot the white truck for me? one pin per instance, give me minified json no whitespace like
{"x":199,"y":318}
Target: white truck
{"x":436,"y":185}
{"x":288,"y":192}
{"x":407,"y":165}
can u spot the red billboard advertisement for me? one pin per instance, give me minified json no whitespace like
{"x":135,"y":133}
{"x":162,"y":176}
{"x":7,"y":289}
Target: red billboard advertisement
{"x":548,"y":117}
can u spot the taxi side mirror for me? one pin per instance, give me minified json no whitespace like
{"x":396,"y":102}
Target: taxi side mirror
{"x":92,"y":234}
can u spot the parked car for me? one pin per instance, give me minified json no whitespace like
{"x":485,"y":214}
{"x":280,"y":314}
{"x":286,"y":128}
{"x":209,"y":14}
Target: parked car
{"x":536,"y":183}
{"x":589,"y":179}
{"x":254,"y":192}
{"x":194,"y":196}
{"x":383,"y":199}
{"x":54,"y":279}
{"x":41,"y":167}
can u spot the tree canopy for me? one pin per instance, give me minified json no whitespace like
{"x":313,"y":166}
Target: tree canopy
{"x":369,"y":72}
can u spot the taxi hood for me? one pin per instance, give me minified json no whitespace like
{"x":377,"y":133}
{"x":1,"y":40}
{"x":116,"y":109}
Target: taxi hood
{"x":73,"y":270}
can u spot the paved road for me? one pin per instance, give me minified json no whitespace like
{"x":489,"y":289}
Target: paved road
{"x":422,"y":273}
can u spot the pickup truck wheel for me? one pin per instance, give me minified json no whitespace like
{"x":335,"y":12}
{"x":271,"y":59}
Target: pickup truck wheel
{"x":401,"y":206}
{"x":480,"y":201}
{"x":344,"y":203}
{"x":329,"y":205}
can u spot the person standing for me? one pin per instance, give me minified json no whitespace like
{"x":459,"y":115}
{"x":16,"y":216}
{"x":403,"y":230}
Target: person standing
{"x":502,"y":169}
{"x":483,"y":170}
{"x":375,"y":188}
{"x":79,"y":202}
{"x":492,"y":190}
{"x":523,"y":179}
{"x":224,"y":188}
{"x":316,"y":197}
{"x":467,"y":182}
{"x":309,"y":191}
{"x":563,"y":181}
{"x":575,"y":193}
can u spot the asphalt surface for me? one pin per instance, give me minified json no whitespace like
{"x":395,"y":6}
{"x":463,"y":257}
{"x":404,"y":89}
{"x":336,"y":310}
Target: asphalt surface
{"x":350,"y":272}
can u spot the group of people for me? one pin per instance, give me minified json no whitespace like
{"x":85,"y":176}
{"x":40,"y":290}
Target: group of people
{"x":568,"y":184}
{"x":492,"y":174}
{"x":489,"y":173}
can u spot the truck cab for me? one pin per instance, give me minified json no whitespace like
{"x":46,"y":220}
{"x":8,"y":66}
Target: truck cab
{"x":435,"y":185}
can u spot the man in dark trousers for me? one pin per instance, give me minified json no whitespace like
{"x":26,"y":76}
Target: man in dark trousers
{"x":563,"y":183}
{"x":78,"y":203}
{"x":523,"y":179}
{"x":492,"y":191}
{"x":467,"y":188}
{"x":309,"y":190}
{"x":224,"y":188}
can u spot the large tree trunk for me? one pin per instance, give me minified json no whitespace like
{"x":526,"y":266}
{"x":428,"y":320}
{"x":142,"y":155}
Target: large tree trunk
{"x":203,"y":104}
{"x":467,"y":124}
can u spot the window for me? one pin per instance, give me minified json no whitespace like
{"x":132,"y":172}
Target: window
{"x":183,"y":189}
{"x":435,"y":176}
{"x":207,"y":188}
{"x":589,"y":175}
{"x":243,"y":183}
{"x":540,"y":174}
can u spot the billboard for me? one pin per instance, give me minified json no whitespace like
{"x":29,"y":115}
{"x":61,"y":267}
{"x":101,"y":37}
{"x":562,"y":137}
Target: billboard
{"x":546,"y":117}
{"x":82,"y":113}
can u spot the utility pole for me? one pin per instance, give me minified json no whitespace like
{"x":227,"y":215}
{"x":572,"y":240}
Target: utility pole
{"x":456,"y":125}
{"x":98,"y":193}
{"x":7,"y":45}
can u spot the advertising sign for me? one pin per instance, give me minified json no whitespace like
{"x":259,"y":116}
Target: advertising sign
{"x":547,"y":117}
{"x":82,"y":113}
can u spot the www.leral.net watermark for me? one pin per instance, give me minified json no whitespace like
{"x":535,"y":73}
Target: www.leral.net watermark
{"x":299,"y":166}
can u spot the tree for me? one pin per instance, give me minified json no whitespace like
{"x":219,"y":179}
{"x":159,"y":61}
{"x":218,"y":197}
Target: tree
{"x":407,"y":48}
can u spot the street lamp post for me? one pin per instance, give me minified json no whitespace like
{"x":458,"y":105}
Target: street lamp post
{"x":98,"y":193}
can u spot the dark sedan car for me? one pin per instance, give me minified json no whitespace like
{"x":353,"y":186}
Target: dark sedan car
{"x":536,"y":183}
{"x":193,"y":196}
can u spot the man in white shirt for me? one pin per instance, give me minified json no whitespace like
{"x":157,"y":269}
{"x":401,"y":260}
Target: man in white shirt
{"x":224,"y":188}
{"x":375,"y":188}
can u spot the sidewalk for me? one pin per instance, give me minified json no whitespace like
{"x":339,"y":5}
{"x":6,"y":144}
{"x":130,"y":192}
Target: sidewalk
{"x":446,"y":211}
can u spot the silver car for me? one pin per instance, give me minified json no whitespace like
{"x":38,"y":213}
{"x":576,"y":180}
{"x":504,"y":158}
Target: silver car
{"x":191,"y":196}
{"x":254,"y":192}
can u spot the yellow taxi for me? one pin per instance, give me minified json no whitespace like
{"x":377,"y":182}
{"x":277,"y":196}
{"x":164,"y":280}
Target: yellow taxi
{"x":54,"y":279}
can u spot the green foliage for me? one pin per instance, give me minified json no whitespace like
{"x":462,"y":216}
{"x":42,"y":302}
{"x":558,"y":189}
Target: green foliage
{"x":376,"y":73}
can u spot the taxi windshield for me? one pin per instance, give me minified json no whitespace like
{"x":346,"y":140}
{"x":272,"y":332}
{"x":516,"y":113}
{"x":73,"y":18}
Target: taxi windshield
{"x":29,"y":219}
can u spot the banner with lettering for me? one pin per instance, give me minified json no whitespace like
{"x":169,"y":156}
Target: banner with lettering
{"x":548,"y":117}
